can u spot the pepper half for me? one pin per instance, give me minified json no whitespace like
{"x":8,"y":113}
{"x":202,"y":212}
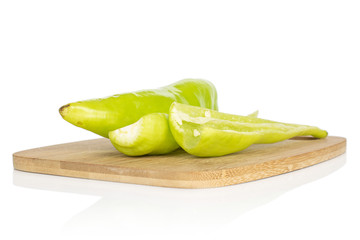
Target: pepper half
{"x":207,"y":133}
{"x":150,"y":135}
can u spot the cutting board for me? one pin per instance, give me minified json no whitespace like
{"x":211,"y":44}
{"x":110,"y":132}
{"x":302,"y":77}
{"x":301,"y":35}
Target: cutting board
{"x":98,"y":159}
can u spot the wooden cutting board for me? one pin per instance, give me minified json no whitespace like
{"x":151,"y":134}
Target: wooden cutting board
{"x":98,"y":159}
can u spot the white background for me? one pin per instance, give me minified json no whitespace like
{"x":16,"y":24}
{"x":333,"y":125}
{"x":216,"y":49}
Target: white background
{"x":294,"y":61}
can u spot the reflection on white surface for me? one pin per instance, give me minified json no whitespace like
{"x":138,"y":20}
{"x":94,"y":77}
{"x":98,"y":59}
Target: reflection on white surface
{"x":124,"y":206}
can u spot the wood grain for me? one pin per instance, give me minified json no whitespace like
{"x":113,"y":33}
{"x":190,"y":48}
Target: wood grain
{"x":98,"y":159}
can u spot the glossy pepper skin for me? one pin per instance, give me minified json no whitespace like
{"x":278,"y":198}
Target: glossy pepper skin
{"x":103,"y":115}
{"x":207,"y":133}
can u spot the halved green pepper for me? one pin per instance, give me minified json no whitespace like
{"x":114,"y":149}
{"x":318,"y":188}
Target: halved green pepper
{"x":207,"y":133}
{"x":103,"y":115}
{"x":150,"y":135}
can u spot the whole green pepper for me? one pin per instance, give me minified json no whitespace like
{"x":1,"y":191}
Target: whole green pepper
{"x":207,"y":133}
{"x":107,"y":114}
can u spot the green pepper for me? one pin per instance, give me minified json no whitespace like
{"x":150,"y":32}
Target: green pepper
{"x":150,"y":135}
{"x":107,"y":114}
{"x":207,"y":133}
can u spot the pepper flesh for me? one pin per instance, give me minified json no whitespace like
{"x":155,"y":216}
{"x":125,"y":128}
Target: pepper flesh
{"x":103,"y":115}
{"x":207,"y":133}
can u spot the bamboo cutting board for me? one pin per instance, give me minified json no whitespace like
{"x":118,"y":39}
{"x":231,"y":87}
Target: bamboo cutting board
{"x":98,"y":159}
